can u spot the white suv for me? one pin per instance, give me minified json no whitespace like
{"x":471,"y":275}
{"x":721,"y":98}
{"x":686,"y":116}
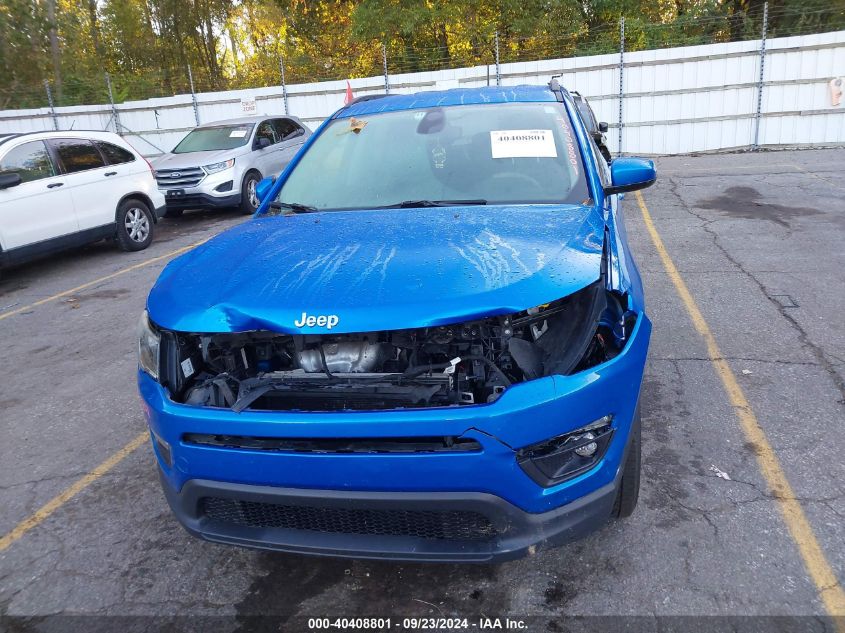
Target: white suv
{"x":218,"y":164}
{"x":64,"y":189}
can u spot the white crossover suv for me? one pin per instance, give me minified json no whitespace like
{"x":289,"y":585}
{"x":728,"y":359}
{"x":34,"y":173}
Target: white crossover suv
{"x":64,"y":189}
{"x":218,"y":164}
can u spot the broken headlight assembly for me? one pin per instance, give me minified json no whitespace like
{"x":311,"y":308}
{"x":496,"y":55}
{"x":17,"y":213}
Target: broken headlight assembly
{"x":465,"y":363}
{"x":149,"y":345}
{"x":553,"y":461}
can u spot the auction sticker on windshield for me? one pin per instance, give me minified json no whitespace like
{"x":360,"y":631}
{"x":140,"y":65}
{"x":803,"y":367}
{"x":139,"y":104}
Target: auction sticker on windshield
{"x":523,"y":144}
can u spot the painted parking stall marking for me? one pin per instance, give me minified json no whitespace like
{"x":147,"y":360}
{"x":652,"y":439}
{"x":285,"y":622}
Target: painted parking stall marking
{"x":99,"y":280}
{"x":820,"y":571}
{"x":45,"y":511}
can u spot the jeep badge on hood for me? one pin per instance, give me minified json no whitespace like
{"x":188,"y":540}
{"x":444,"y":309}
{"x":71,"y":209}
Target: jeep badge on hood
{"x":327,"y":321}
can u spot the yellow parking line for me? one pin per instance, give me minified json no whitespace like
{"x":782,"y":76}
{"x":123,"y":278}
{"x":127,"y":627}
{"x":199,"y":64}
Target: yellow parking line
{"x":123,"y":271}
{"x":59,"y":500}
{"x":822,"y":574}
{"x":817,"y":177}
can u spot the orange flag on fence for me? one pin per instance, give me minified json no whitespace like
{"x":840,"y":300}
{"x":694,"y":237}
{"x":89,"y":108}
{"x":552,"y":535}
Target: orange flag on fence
{"x":349,"y":96}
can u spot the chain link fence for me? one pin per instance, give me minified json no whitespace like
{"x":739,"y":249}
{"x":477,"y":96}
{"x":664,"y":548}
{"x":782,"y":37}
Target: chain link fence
{"x":487,"y":57}
{"x":485,"y":48}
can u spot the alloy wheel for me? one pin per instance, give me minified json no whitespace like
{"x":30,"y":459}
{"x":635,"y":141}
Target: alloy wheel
{"x":250,"y":189}
{"x":137,"y":225}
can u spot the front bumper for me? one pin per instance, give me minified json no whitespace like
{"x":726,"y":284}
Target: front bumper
{"x":188,"y":200}
{"x":355,"y":524}
{"x":220,"y":189}
{"x":489,"y":480}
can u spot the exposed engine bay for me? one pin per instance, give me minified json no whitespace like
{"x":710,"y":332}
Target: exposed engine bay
{"x":451,"y":365}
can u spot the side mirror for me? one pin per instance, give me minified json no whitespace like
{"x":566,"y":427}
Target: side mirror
{"x":602,"y":127}
{"x":630,"y":174}
{"x":10,"y":179}
{"x":262,"y":142}
{"x":263,"y":186}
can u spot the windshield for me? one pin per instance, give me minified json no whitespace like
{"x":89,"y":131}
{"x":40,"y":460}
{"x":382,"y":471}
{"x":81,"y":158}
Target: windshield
{"x":204,"y":139}
{"x":514,"y":153}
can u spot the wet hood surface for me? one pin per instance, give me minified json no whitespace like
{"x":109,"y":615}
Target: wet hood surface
{"x":380,"y":270}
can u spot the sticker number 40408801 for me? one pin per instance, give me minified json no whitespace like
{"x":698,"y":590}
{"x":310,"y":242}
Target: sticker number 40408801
{"x":523,"y":144}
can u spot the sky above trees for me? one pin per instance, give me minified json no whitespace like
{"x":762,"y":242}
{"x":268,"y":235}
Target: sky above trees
{"x":147,"y":45}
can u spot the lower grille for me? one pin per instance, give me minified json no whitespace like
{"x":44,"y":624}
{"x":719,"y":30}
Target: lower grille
{"x":445,"y":444}
{"x":187,"y":201}
{"x":441,"y":525}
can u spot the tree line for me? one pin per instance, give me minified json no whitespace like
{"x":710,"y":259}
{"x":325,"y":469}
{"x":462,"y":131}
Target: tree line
{"x":147,"y":46}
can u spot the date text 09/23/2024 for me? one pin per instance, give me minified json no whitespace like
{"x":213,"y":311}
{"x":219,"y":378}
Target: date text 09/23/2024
{"x":431,"y":624}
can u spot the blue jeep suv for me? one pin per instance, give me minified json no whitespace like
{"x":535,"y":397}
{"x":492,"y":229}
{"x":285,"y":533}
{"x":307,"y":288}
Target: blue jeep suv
{"x":428,"y":343}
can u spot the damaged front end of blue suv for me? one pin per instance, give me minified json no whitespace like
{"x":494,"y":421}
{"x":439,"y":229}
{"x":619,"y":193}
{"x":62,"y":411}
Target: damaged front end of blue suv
{"x":427,"y":345}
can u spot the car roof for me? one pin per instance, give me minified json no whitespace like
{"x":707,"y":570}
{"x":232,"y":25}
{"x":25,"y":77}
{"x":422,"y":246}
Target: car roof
{"x":8,"y":137}
{"x":247,"y":119}
{"x":453,"y":97}
{"x":46,"y":134}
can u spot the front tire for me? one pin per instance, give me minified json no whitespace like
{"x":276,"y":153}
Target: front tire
{"x":249,"y":199}
{"x":134,"y":225}
{"x":629,"y":487}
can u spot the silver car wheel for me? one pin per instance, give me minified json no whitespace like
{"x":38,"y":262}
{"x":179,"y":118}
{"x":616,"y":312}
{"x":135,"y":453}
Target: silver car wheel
{"x":137,"y":225}
{"x":250,"y":190}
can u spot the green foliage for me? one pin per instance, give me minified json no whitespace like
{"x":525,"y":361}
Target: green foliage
{"x":147,"y":46}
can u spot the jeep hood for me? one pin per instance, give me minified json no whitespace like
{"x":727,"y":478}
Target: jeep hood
{"x":380,"y":270}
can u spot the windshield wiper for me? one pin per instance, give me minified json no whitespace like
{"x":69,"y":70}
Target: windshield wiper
{"x":410,"y":204}
{"x":293,"y":206}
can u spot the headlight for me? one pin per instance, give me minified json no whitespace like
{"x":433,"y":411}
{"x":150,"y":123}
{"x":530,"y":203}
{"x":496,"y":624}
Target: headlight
{"x":149,"y":341}
{"x":213,"y":168}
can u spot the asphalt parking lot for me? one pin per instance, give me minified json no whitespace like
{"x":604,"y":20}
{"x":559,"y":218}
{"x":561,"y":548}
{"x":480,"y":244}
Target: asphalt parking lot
{"x":756,"y":238}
